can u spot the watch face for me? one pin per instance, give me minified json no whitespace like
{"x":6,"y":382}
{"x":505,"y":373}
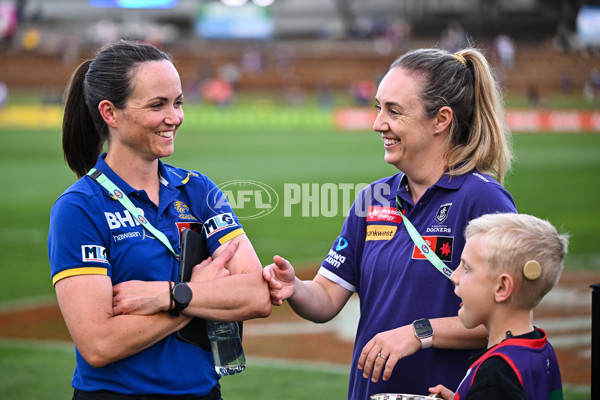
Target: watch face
{"x":182,"y":293}
{"x":423,"y":328}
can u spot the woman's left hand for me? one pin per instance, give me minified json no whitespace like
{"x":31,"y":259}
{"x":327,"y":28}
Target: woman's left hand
{"x":383,"y":352}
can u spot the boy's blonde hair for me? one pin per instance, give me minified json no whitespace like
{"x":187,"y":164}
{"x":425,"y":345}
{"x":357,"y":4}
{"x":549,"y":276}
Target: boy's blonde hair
{"x":511,"y":240}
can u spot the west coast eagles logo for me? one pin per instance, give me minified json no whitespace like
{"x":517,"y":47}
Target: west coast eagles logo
{"x":181,"y":207}
{"x":442,"y":212}
{"x":183,"y":210}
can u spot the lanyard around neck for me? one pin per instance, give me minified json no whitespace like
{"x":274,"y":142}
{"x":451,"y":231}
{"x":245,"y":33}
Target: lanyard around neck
{"x":107,"y":184}
{"x":420,"y":242}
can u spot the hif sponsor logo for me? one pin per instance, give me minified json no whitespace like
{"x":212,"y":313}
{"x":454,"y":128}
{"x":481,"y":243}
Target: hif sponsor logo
{"x":341,"y":244}
{"x":248,"y":199}
{"x":93,"y":253}
{"x":122,"y":219}
{"x":380,"y":232}
{"x":218,"y":223}
{"x":335,"y":259}
{"x":440,"y":245}
{"x":389,"y":214}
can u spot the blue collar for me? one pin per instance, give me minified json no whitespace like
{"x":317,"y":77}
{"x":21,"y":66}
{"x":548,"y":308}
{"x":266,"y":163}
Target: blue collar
{"x":167,"y":175}
{"x":445,"y":182}
{"x":170,"y":180}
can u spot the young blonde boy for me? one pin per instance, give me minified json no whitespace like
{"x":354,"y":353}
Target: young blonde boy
{"x":509,"y":263}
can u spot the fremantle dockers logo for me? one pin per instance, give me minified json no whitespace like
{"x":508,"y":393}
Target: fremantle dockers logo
{"x":442,"y":212}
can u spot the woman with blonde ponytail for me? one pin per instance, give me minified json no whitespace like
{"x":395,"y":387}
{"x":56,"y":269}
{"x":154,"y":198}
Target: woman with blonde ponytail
{"x":441,"y":120}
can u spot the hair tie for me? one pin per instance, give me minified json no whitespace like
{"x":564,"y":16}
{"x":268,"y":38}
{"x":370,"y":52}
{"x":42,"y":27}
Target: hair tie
{"x":460,"y":58}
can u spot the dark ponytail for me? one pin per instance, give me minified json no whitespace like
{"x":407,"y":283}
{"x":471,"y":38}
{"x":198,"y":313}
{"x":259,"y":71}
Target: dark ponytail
{"x":81,"y":141}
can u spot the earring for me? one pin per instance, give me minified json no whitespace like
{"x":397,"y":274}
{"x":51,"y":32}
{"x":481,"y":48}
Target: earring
{"x":437,"y":132}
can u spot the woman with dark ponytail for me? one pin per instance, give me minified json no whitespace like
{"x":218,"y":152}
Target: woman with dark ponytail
{"x":441,"y":120}
{"x":114,"y":236}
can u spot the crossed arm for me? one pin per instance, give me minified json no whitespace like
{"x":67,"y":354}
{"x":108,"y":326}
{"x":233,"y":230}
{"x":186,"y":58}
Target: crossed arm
{"x":228,"y":287}
{"x":110,"y":323}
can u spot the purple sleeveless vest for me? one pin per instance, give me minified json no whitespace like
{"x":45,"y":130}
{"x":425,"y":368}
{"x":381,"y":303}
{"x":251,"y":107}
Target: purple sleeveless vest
{"x":534,"y":363}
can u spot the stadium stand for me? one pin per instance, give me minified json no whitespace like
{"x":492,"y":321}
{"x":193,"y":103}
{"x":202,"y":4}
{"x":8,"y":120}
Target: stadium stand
{"x":316,"y":42}
{"x":339,"y":63}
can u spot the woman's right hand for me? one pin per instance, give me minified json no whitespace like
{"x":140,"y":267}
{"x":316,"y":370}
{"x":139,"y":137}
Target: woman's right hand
{"x":280,"y":276}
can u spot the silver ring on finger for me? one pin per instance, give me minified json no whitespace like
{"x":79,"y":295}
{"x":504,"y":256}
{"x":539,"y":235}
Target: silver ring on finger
{"x":382,"y":356}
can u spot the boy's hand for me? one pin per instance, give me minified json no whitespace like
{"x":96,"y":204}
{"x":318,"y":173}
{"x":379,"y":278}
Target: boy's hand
{"x":442,"y":391}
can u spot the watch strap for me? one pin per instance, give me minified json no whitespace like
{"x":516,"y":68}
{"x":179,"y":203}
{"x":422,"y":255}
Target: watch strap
{"x":171,"y":299}
{"x":426,"y":338}
{"x":177,"y":306}
{"x":426,"y":342}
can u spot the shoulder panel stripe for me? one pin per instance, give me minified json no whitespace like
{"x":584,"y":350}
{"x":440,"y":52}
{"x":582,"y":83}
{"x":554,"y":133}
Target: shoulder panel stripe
{"x":231,"y":235}
{"x":336,"y":279}
{"x":79,"y":271}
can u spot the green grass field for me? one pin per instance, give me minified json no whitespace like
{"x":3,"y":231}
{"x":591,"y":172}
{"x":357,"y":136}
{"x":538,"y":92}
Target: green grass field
{"x":554,"y":176}
{"x":42,"y":371}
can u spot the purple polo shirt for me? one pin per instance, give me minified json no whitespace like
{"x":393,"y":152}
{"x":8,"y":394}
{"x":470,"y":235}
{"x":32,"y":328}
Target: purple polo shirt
{"x":375,"y":257}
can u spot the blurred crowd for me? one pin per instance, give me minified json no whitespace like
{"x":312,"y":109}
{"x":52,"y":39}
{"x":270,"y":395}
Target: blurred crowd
{"x":219,"y":83}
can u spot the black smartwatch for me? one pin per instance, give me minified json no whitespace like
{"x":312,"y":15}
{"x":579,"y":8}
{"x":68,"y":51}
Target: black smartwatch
{"x":181,"y":295}
{"x":423,"y":332}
